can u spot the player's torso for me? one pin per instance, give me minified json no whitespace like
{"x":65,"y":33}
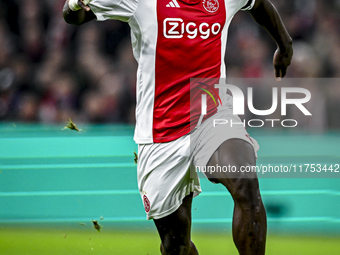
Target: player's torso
{"x":189,"y":39}
{"x":173,"y":41}
{"x":171,"y":27}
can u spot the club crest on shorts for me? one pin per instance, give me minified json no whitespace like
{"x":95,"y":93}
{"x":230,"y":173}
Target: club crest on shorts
{"x":211,"y":6}
{"x":146,"y":204}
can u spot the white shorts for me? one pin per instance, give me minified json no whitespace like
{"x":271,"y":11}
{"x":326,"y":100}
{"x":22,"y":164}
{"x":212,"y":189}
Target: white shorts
{"x":163,"y":169}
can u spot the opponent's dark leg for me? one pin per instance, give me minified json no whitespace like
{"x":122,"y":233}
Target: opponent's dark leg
{"x":249,"y":220}
{"x":175,"y":231}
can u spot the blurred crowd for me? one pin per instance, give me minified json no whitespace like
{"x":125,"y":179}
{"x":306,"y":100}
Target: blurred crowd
{"x":51,"y":71}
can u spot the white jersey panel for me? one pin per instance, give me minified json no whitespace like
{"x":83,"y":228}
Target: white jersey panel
{"x":142,"y":19}
{"x":113,"y":9}
{"x":144,"y":40}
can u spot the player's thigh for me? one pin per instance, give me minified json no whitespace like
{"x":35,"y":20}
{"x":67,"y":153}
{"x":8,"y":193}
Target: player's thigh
{"x":236,"y":157}
{"x":233,"y":159}
{"x":222,"y":145}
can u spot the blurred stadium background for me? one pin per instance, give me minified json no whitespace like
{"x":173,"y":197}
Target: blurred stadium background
{"x":53,"y":182}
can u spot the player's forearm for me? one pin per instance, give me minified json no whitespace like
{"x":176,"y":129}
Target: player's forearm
{"x":76,"y":17}
{"x":267,"y":16}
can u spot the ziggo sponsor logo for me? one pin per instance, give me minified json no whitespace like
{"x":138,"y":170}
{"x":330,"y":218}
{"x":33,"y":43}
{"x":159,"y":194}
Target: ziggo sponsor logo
{"x":177,"y":28}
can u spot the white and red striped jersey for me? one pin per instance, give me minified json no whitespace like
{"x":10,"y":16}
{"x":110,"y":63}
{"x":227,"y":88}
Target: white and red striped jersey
{"x":173,"y":41}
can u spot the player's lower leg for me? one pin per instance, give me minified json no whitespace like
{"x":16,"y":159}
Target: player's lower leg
{"x":249,"y":226}
{"x":249,"y":219}
{"x":174,"y":231}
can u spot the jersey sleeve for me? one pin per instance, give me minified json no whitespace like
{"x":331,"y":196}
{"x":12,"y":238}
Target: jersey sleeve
{"x":113,"y":9}
{"x":247,"y":5}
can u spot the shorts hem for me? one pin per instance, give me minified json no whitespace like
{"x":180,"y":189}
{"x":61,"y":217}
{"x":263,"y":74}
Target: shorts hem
{"x":196,"y":190}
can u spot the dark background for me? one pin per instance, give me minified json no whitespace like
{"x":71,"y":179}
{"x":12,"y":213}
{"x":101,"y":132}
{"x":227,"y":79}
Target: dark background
{"x":51,"y":71}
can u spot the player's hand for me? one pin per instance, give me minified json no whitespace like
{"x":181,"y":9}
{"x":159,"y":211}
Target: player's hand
{"x":83,"y":6}
{"x":281,"y":62}
{"x":77,"y":12}
{"x":76,"y":5}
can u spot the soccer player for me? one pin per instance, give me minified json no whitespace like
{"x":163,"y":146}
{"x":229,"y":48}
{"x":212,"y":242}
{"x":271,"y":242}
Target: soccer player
{"x":174,"y":41}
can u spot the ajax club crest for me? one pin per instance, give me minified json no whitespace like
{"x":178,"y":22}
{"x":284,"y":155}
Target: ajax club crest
{"x":211,"y":5}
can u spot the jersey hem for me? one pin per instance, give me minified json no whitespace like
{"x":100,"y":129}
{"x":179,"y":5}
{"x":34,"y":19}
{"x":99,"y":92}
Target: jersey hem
{"x":171,"y":138}
{"x":162,"y":139}
{"x":143,"y":140}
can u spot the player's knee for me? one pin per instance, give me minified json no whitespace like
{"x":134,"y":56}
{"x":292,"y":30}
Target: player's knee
{"x":246,"y":193}
{"x":214,"y":180}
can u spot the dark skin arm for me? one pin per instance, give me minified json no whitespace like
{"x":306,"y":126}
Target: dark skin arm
{"x":265,"y":14}
{"x":78,"y":17}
